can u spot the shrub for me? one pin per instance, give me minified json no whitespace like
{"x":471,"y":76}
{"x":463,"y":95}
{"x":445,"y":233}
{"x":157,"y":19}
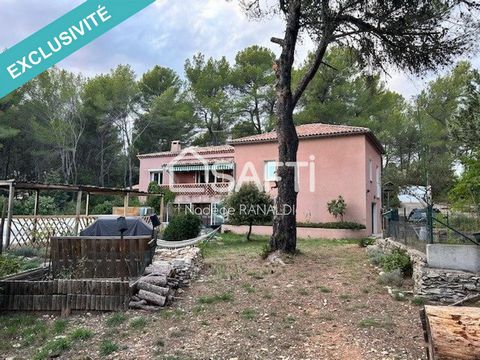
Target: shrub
{"x":337,"y":207}
{"x":394,"y":278}
{"x":182,"y":227}
{"x":364,"y":242}
{"x":397,"y":259}
{"x":375,"y":254}
{"x":348,"y":225}
{"x":155,"y":201}
{"x":25,"y":251}
{"x":107,"y":347}
{"x":8,"y":265}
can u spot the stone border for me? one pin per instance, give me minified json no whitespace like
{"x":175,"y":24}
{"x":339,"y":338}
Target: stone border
{"x":438,"y":285}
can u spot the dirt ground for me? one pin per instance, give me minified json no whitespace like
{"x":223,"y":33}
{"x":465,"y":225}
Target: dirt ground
{"x":324,"y":303}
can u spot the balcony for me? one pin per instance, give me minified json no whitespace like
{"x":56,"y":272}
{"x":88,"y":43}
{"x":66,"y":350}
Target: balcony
{"x":214,"y":189}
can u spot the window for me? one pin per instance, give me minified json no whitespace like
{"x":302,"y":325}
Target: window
{"x":156,"y":176}
{"x":270,"y":171}
{"x":370,"y":170}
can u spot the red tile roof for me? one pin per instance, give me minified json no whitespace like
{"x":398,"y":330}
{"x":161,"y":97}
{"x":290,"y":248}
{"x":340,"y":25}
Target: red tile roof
{"x":197,"y":149}
{"x":313,"y":131}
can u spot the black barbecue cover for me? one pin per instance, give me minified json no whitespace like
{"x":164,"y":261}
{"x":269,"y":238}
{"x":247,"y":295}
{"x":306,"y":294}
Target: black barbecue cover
{"x":109,"y":227}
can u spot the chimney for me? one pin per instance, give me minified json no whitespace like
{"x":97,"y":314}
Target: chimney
{"x":176,"y":146}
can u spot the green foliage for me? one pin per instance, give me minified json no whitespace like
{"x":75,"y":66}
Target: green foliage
{"x":155,"y":201}
{"x":81,"y":334}
{"x":465,"y":194}
{"x":59,"y":326}
{"x":266,"y":250}
{"x":107,"y":347}
{"x":364,"y":242}
{"x":182,"y":227}
{"x":224,"y":297}
{"x":393,"y":278}
{"x":116,"y":319}
{"x":375,"y":255}
{"x":209,"y":81}
{"x":397,"y":259}
{"x":46,"y":206}
{"x":53,"y":348}
{"x":337,"y":207}
{"x":138,"y":323}
{"x":8,"y":265}
{"x":249,"y":206}
{"x":333,"y":225}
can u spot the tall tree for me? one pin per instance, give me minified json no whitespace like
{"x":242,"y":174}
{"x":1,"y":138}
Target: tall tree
{"x":412,"y":35}
{"x":252,"y":79}
{"x":54,"y":100}
{"x":209,"y":86}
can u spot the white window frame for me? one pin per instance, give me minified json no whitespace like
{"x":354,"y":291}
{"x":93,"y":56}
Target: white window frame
{"x":370,"y":170}
{"x":267,"y":170}
{"x":160,"y":176}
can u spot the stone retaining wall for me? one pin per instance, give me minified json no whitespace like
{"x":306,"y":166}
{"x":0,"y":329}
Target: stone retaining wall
{"x":441,"y":285}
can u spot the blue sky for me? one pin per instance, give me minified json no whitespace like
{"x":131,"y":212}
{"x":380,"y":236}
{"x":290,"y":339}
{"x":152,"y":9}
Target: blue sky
{"x":166,"y":33}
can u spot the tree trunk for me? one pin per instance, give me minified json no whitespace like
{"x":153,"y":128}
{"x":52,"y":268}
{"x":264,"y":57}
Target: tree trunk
{"x":249,"y":231}
{"x":284,"y":235}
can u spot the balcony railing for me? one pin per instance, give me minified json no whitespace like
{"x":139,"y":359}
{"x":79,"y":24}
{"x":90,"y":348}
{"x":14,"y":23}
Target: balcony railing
{"x":199,"y":189}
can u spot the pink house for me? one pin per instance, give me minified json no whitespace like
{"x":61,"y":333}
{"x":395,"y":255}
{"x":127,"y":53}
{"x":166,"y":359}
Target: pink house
{"x":332,"y":160}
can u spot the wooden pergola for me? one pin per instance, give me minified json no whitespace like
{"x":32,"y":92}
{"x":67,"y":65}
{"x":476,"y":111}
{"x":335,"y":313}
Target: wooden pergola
{"x":12,"y":186}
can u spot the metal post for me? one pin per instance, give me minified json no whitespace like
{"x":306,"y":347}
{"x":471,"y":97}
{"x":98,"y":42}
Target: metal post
{"x":35,"y":213}
{"x":430,"y":223}
{"x":125,"y":204}
{"x":87,"y":204}
{"x":11,"y":195}
{"x":77,"y":213}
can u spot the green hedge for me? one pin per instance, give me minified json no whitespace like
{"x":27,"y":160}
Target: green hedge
{"x":346,"y":225}
{"x":334,"y":225}
{"x":182,"y":227}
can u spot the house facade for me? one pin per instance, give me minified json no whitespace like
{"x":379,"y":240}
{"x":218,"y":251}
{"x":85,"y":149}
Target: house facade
{"x":332,"y":161}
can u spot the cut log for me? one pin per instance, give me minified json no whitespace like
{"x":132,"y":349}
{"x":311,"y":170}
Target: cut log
{"x":160,"y":280}
{"x":152,"y":297}
{"x":146,"y":307}
{"x":152,"y":288}
{"x":137,"y":304}
{"x":159,"y":269}
{"x":452,"y":333}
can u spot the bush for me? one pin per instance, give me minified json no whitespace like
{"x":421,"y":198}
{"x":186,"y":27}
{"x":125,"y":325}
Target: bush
{"x":364,"y":242}
{"x":375,"y":254}
{"x":8,"y":265}
{"x":337,"y":207}
{"x":182,"y":227}
{"x":334,"y":225}
{"x":394,"y":278}
{"x":25,"y":251}
{"x":397,"y":259}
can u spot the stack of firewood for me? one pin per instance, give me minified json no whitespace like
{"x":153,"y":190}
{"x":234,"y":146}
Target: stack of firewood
{"x":161,"y":279}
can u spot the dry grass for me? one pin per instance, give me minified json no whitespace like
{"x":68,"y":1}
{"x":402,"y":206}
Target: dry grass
{"x":325,"y":303}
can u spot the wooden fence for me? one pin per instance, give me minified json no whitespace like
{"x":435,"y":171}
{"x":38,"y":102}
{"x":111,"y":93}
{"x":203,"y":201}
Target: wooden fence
{"x":100,"y":256}
{"x":64,"y":295}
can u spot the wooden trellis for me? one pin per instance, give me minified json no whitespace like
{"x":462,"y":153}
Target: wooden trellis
{"x":35,"y":230}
